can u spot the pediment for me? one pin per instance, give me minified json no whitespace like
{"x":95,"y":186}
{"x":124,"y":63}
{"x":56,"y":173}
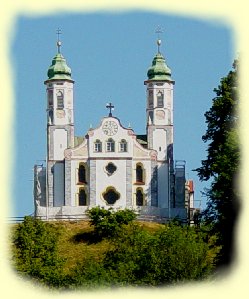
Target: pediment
{"x":138,"y":151}
{"x":81,"y":150}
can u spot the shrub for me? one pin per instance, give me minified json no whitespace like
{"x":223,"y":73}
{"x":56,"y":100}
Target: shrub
{"x":107,"y":222}
{"x":36,"y":251}
{"x":171,"y":255}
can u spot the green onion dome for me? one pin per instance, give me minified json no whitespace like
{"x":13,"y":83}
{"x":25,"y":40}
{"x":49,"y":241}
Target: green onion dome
{"x":159,"y":69}
{"x":59,"y":68}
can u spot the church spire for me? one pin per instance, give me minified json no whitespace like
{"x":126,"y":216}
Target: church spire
{"x":159,"y":71}
{"x":158,"y":31}
{"x":58,"y":32}
{"x":59,"y":68}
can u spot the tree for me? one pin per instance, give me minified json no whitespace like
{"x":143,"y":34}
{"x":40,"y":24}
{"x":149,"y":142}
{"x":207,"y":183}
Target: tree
{"x":36,"y":253}
{"x":171,"y":255}
{"x":222,"y":162}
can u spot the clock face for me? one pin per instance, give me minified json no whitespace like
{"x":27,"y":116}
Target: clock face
{"x":110,"y":128}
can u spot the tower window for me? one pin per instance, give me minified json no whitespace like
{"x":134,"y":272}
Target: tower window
{"x":110,"y":145}
{"x":140,"y":173}
{"x":82,"y":197}
{"x":60,"y":100}
{"x":82,"y":174}
{"x":50,"y":98}
{"x":139,"y":197}
{"x":160,"y":101}
{"x":50,"y":117}
{"x":151,"y":117}
{"x":98,"y":146}
{"x":150,"y":99}
{"x":123,"y":145}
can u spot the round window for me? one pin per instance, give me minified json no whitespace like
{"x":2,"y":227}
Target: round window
{"x":110,"y":168}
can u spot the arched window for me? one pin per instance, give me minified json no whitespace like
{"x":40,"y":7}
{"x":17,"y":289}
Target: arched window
{"x":150,"y":99}
{"x":60,"y":100}
{"x":151,"y":117}
{"x":82,"y":197}
{"x":82,"y":173}
{"x":123,"y":145}
{"x":50,"y":117}
{"x":160,"y":102}
{"x":98,"y":146}
{"x":110,"y":145}
{"x":139,"y":197}
{"x":139,"y":173}
{"x":50,"y":98}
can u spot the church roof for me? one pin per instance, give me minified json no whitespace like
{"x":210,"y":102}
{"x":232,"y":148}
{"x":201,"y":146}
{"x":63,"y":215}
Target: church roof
{"x":159,"y":69}
{"x":59,"y":68}
{"x":78,"y":140}
{"x":142,"y":139}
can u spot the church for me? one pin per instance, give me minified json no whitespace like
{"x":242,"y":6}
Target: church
{"x":111,"y":166}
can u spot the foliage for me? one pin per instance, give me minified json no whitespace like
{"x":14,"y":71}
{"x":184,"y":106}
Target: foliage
{"x":107,"y":222}
{"x":172,"y":254}
{"x":222,"y":162}
{"x":36,"y":251}
{"x":134,"y":256}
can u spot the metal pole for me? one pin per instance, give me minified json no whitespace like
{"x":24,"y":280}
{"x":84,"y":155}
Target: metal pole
{"x":47,"y":188}
{"x":169,"y":189}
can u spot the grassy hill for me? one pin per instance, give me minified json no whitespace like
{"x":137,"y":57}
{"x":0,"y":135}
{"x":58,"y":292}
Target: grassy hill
{"x":70,"y":254}
{"x":76,"y":241}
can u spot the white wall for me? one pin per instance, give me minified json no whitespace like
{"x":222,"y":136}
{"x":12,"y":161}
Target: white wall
{"x":116,"y":180}
{"x":60,"y":143}
{"x":160,"y":141}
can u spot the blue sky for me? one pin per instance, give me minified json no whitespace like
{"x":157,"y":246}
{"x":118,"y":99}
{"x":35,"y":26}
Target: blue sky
{"x":109,"y":55}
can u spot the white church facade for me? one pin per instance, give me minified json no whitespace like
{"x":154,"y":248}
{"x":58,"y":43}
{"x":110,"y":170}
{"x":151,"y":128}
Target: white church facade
{"x":110,"y":166}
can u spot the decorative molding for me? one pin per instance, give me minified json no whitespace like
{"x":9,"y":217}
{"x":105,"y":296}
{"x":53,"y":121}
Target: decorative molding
{"x":68,"y":154}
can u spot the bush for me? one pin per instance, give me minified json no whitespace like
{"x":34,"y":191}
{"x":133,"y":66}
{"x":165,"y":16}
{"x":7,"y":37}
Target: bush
{"x":171,"y":255}
{"x":36,"y":251}
{"x":107,"y":222}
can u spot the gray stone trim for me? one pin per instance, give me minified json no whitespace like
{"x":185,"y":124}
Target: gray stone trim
{"x":67,"y":183}
{"x":92,"y":183}
{"x":154,"y":184}
{"x":50,"y":178}
{"x":128,"y":183}
{"x":110,"y":158}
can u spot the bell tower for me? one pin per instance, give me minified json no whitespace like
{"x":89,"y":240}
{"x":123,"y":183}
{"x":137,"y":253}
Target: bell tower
{"x":159,"y":107}
{"x":159,"y":124}
{"x":60,"y":124}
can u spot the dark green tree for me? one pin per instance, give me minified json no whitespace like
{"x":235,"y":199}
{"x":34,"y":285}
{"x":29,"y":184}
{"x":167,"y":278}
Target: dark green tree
{"x":35,"y":251}
{"x":221,"y":164}
{"x":173,"y":254}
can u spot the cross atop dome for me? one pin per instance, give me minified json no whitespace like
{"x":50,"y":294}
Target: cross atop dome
{"x":159,"y":30}
{"x":58,"y":32}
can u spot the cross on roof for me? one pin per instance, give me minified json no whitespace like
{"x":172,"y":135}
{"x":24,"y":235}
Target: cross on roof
{"x":58,"y":32}
{"x":111,"y":107}
{"x":159,"y":30}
